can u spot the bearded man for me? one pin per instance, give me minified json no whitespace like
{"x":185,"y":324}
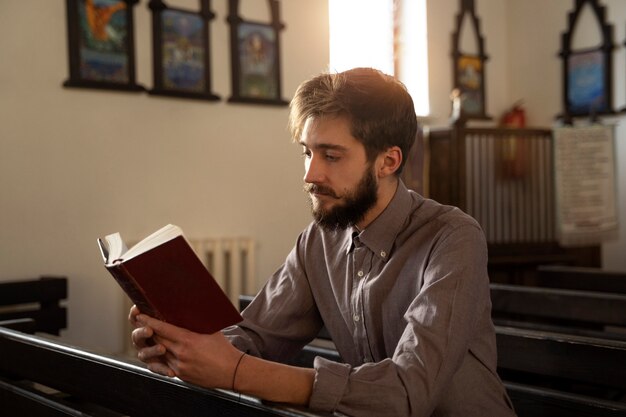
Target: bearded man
{"x":399,"y":281}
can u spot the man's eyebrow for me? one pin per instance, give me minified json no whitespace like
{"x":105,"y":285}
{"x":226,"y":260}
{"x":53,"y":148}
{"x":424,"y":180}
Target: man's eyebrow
{"x":324,"y":146}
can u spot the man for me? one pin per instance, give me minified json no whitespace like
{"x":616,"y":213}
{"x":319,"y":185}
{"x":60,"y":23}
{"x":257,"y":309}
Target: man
{"x":399,"y":281}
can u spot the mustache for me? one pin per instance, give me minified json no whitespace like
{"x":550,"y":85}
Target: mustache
{"x":320,"y":189}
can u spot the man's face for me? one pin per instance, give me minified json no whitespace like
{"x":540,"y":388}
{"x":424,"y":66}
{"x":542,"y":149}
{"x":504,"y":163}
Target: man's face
{"x":340,"y":182}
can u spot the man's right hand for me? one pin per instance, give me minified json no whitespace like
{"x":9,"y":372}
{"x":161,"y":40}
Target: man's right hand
{"x":148,"y":351}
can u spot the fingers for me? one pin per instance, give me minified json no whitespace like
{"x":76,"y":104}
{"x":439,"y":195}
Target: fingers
{"x":151,"y":353}
{"x":148,"y":342}
{"x":151,"y":332}
{"x":161,"y":369}
{"x":164,"y":330}
{"x":141,"y":337}
{"x":132,"y":315}
{"x":150,"y":347}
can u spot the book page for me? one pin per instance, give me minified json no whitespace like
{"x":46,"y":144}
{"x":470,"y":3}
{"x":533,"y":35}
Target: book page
{"x":114,"y":247}
{"x":157,"y":238}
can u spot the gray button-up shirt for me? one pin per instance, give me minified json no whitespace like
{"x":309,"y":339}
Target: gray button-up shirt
{"x":407,"y":304}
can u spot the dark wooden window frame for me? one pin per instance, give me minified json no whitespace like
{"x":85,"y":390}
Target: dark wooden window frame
{"x":605,"y":49}
{"x":458,"y":57}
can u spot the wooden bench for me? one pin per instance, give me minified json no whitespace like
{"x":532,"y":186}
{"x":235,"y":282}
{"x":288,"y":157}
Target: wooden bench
{"x":39,"y":300}
{"x":577,"y":364}
{"x":580,"y":278}
{"x":41,"y":377}
{"x":581,"y":312}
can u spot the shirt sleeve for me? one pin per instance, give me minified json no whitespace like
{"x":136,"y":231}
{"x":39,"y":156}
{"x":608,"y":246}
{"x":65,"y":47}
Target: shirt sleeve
{"x":282,"y":318}
{"x":440,"y":323}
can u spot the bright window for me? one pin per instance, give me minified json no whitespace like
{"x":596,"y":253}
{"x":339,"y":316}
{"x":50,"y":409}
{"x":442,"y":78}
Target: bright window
{"x":362,"y":35}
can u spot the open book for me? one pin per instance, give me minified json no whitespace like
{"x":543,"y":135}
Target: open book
{"x":164,"y":277}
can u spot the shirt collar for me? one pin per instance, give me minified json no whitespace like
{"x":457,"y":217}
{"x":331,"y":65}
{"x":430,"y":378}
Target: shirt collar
{"x":380,"y":235}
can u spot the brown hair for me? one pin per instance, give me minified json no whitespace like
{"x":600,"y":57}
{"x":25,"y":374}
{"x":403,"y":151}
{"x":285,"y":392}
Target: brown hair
{"x":379,"y":108}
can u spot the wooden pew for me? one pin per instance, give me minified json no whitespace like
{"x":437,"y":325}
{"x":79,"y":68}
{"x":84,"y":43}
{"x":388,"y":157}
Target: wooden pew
{"x":530,"y":401}
{"x":551,"y":374}
{"x":81,"y":383}
{"x":580,"y":278}
{"x":578,"y":364}
{"x":586,"y":313}
{"x":38,"y":299}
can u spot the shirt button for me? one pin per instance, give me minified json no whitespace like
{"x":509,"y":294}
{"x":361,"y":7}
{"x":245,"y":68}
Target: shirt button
{"x":383,"y":254}
{"x":356,"y":317}
{"x":360,"y":273}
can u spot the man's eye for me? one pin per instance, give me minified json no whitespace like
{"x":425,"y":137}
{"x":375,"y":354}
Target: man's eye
{"x":332,"y":158}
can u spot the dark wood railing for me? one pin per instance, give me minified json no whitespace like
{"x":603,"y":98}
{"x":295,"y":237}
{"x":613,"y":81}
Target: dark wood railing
{"x":81,"y":383}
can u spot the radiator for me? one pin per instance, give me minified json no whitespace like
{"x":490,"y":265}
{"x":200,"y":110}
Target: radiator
{"x":231,"y":261}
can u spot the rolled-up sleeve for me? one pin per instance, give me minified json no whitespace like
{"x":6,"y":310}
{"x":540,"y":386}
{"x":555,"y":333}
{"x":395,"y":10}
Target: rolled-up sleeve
{"x":330,"y":383}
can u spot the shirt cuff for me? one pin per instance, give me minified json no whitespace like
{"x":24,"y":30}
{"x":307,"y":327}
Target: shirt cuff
{"x":329,"y":385}
{"x":238,"y":338}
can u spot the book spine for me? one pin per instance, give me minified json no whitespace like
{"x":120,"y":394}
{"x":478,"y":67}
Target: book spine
{"x":133,"y":290}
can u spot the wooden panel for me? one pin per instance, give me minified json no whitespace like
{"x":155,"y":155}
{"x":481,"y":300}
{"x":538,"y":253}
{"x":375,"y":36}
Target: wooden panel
{"x":576,"y":306}
{"x":531,"y":401}
{"x":20,"y":401}
{"x":575,"y":358}
{"x":580,"y":278}
{"x":45,"y":289}
{"x":508,"y":183}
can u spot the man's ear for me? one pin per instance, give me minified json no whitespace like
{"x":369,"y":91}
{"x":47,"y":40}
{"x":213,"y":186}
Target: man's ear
{"x":389,"y":161}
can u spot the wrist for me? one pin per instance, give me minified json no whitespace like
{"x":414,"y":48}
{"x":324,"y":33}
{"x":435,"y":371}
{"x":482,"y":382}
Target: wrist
{"x":233,"y":385}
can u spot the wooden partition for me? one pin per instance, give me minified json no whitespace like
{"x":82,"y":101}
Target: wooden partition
{"x":504,"y":178}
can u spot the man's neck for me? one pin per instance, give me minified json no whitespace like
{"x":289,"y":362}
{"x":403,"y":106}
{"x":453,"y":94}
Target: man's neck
{"x":386,"y":190}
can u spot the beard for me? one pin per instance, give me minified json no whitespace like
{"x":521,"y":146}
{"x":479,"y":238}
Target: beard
{"x":352,"y":210}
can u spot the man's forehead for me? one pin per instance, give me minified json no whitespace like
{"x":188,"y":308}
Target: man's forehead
{"x":328,"y":132}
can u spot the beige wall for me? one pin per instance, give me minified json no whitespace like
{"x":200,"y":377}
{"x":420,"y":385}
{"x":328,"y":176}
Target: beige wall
{"x":78,"y":164}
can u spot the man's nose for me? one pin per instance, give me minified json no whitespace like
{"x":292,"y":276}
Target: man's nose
{"x":313,"y":171}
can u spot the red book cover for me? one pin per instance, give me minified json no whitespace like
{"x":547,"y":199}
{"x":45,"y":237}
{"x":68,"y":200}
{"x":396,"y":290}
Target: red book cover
{"x":169,"y":282}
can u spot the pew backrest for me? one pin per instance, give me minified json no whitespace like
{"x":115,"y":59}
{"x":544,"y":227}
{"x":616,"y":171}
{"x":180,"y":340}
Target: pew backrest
{"x":584,"y":360}
{"x":39,"y":299}
{"x":576,"y":307}
{"x":580,"y":278}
